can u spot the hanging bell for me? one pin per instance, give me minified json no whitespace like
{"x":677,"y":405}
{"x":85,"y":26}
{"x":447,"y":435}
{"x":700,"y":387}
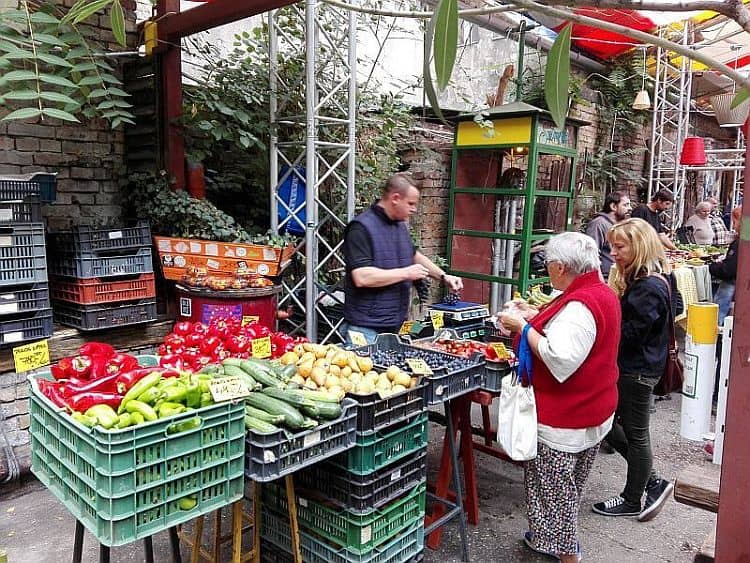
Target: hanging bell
{"x":693,"y":152}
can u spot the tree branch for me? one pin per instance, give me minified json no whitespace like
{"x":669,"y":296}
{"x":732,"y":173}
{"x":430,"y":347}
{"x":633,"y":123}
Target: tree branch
{"x":418,"y":15}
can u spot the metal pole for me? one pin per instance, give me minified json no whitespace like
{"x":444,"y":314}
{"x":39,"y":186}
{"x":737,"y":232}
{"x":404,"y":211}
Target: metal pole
{"x":351,"y":168}
{"x":519,"y":72}
{"x":273,"y":106}
{"x":311,"y":177}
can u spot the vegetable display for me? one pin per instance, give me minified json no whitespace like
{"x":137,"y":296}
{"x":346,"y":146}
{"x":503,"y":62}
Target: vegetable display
{"x":467,"y":348}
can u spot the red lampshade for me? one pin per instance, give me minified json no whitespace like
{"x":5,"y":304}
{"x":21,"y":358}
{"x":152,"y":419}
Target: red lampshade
{"x":693,"y":152}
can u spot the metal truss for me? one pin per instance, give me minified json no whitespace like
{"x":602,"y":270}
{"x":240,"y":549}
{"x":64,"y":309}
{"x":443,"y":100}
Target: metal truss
{"x":315,"y":141}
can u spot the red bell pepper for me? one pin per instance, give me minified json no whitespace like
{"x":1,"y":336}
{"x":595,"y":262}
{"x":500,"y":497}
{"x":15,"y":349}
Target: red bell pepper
{"x":84,"y":401}
{"x":120,"y":363}
{"x":81,"y":367}
{"x":52,"y":390}
{"x":172,"y":361}
{"x":125,"y":380}
{"x":96,"y":349}
{"x":106,"y":384}
{"x":98,"y":367}
{"x":62,"y":369}
{"x":200,"y":328}
{"x":183,"y":328}
{"x":209,"y":344}
{"x":193,"y":340}
{"x":173,"y":341}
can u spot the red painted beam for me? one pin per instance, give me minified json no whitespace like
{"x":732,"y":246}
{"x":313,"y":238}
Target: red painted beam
{"x":214,"y":14}
{"x":732,"y":538}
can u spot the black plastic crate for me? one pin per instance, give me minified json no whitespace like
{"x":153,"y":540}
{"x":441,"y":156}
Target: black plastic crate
{"x":443,"y":384}
{"x":23,"y":299}
{"x":22,"y":254}
{"x":33,"y":327}
{"x":88,"y":241}
{"x":20,"y":211}
{"x":39,"y":184}
{"x":375,"y":413}
{"x":270,"y":456}
{"x":494,"y":373}
{"x":362,"y":494}
{"x":85,"y":267}
{"x":97,"y":317}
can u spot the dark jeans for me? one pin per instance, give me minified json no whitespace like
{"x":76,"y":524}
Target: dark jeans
{"x":630,"y":434}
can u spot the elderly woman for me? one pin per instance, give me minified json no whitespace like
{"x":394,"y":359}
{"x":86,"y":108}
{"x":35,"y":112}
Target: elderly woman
{"x":574,"y":344}
{"x":701,"y":223}
{"x":647,"y":290}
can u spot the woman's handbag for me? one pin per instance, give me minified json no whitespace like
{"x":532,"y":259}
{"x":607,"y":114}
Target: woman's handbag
{"x":516,"y":423}
{"x":673,"y":377}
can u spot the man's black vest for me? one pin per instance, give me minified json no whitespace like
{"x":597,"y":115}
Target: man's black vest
{"x":381,"y":307}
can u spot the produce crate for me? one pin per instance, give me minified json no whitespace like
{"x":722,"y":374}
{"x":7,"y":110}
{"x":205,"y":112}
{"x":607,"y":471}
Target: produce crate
{"x":270,"y":456}
{"x":494,"y":373}
{"x":37,"y":185}
{"x":383,"y":448}
{"x":22,"y":254}
{"x":32,"y":327}
{"x":88,"y":241}
{"x":375,"y":413}
{"x":362,"y":494}
{"x":126,"y":484}
{"x":275,"y":530}
{"x":97,"y":317}
{"x":103,"y":290}
{"x":357,"y":533}
{"x":269,"y":553}
{"x":138,"y":262}
{"x":28,"y":211}
{"x":23,"y":299}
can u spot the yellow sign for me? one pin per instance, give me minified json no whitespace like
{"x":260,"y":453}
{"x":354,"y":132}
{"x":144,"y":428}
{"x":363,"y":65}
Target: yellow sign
{"x":246,"y":320}
{"x":511,"y":131}
{"x":500,"y":350}
{"x":261,"y":347}
{"x":418,"y":366}
{"x":31,"y":356}
{"x":406,"y":327}
{"x":228,"y":388}
{"x":357,"y":338}
{"x":437,"y":319}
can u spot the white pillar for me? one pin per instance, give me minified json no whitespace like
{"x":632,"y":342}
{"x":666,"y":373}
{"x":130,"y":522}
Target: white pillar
{"x":721,"y":407}
{"x":700,"y":368}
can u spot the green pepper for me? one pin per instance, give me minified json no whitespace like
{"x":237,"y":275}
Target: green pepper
{"x":150,"y":395}
{"x":136,"y":390}
{"x":136,"y":418}
{"x":124,"y":420}
{"x":193,"y":395}
{"x":176,"y":393}
{"x":170,"y":409}
{"x":105,"y":415}
{"x":145,"y":410}
{"x":89,"y":421}
{"x":206,"y":399}
{"x":184,"y":425}
{"x":187,"y":503}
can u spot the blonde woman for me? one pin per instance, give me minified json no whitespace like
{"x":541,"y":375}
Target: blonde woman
{"x":642,"y":280}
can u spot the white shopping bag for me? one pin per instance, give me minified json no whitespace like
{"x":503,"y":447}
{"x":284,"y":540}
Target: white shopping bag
{"x":516,"y":420}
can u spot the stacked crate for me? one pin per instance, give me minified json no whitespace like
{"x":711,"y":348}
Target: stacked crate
{"x":25,"y":312}
{"x":368,"y":503}
{"x":102,"y":278}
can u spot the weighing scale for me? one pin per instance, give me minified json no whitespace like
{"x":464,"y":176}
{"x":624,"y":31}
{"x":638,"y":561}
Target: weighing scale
{"x":465,"y":317}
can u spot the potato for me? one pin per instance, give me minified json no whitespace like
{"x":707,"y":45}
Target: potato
{"x":289,"y":358}
{"x":364,"y":363}
{"x":402,"y":379}
{"x":392,"y":372}
{"x":319,"y":376}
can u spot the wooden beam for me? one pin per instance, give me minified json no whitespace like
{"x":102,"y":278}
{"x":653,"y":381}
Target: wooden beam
{"x":207,"y":16}
{"x":707,"y":552}
{"x":698,"y":485}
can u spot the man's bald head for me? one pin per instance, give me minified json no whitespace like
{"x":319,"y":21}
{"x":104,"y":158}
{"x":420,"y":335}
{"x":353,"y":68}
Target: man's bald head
{"x":400,"y":183}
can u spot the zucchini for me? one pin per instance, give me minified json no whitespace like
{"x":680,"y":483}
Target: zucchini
{"x":320,"y":396}
{"x":287,"y":372}
{"x":210,"y":368}
{"x":265,"y":365}
{"x":292,"y":417}
{"x":234,"y":371}
{"x":328,"y":411}
{"x":260,"y":414}
{"x":260,"y":375}
{"x":288,"y":396}
{"x":258,"y":425}
{"x":231,"y":362}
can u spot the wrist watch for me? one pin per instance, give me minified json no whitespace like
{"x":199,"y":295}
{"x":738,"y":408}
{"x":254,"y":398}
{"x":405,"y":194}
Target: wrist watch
{"x":442,"y":279}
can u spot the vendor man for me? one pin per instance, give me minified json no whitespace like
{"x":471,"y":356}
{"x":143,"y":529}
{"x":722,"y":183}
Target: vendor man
{"x":651,"y":213}
{"x":382,"y":262}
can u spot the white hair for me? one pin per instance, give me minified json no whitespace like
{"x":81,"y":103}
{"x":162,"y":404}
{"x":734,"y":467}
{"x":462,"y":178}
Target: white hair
{"x":703,"y":205}
{"x":576,"y":251}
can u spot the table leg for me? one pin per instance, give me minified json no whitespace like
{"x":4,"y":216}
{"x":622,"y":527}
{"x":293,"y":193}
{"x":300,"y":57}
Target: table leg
{"x":486,"y":425}
{"x":174,"y":543}
{"x":217,"y":535}
{"x":467,"y":456}
{"x":236,"y":532}
{"x":103,"y":553}
{"x":256,"y":522}
{"x":291,"y":500}
{"x":457,"y":482}
{"x":148,"y":549}
{"x":195,"y":553}
{"x":78,"y":543}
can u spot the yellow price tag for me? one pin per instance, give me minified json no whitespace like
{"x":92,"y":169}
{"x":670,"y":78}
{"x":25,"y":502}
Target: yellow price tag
{"x":261,"y":347}
{"x":437,"y":319}
{"x":31,"y":356}
{"x":357,"y":338}
{"x":228,"y":388}
{"x":418,"y":366}
{"x":246,"y":320}
{"x":500,"y":350}
{"x":406,"y":327}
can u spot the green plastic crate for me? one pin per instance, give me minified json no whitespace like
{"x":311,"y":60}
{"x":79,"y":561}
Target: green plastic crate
{"x":124,"y":485}
{"x":375,"y":451}
{"x":358,"y":533}
{"x":401,"y":549}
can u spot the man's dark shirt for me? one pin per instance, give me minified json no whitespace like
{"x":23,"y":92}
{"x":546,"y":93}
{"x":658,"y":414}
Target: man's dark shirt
{"x":357,"y":244}
{"x":644,"y":212}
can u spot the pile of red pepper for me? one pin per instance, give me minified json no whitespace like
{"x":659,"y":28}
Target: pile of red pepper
{"x":190,"y":346}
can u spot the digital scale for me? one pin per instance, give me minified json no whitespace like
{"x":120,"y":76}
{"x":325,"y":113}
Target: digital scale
{"x":461,"y":312}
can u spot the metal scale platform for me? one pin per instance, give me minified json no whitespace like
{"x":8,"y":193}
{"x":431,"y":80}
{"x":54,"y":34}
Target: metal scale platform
{"x":465,"y":317}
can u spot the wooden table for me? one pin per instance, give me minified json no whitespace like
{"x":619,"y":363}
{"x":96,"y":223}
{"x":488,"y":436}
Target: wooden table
{"x":698,"y":485}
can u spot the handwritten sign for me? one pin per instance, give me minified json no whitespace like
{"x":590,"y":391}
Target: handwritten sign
{"x":31,"y":356}
{"x":437,"y":319}
{"x":228,"y":388}
{"x":261,"y":347}
{"x":418,"y":366}
{"x":246,"y":320}
{"x":406,"y":327}
{"x":357,"y":338}
{"x":500,"y":350}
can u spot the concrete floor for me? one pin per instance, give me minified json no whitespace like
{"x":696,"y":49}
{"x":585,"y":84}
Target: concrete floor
{"x":36,"y":528}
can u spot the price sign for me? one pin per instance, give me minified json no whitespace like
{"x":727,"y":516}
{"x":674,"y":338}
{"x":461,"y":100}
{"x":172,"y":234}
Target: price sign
{"x":406,"y":327}
{"x":418,"y":366}
{"x":500,"y":350}
{"x":31,"y":356}
{"x":228,"y":388}
{"x":246,"y":320}
{"x":437,"y":319}
{"x":357,"y":338}
{"x":261,"y":347}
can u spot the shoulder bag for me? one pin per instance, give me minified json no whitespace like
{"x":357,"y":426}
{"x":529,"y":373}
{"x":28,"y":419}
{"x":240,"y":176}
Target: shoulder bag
{"x":673,"y":377}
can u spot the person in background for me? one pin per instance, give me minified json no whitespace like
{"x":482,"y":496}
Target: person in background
{"x":616,"y":208}
{"x":700,"y":221}
{"x":722,"y":234}
{"x":382,"y":262}
{"x":726,"y":270}
{"x":651,"y":213}
{"x":573,"y":340}
{"x":641,"y":277}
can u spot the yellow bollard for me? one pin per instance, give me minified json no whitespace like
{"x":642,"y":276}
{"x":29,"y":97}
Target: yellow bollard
{"x":703,"y":322}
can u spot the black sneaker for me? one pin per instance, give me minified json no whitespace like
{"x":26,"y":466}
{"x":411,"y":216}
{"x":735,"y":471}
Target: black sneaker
{"x":657,"y":493}
{"x":616,"y":506}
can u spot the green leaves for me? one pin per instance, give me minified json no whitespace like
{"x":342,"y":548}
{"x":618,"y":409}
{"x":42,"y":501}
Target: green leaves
{"x":117,"y":18}
{"x":429,"y":88}
{"x":23,"y":113}
{"x":557,"y":77}
{"x":740,"y":97}
{"x":84,"y":9}
{"x":444,"y":40}
{"x":59,"y":114}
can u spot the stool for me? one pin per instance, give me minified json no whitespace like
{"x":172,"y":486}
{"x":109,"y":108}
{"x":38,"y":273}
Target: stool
{"x":241,"y":522}
{"x":148,"y":546}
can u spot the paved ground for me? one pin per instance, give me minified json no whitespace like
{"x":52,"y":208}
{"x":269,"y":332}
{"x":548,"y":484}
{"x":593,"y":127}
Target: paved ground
{"x":36,"y":528}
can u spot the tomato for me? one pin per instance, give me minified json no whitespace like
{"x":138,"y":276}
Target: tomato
{"x":183,"y":328}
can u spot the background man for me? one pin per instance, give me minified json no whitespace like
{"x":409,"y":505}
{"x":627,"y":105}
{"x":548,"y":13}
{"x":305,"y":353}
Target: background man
{"x":616,"y":208}
{"x":382,"y":262}
{"x":651,"y":211}
{"x":722,"y":235}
